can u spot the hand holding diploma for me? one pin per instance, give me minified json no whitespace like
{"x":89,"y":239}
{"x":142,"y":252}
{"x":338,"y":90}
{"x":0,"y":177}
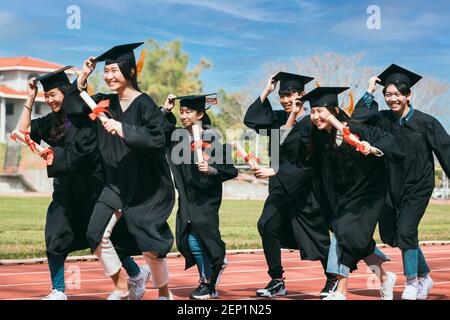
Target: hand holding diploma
{"x":24,"y":138}
{"x":249,"y":158}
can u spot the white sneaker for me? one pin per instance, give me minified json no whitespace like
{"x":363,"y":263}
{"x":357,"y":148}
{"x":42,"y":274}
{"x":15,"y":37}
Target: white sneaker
{"x":425,"y":285}
{"x":387,"y":287}
{"x":336,"y":295}
{"x":55,"y":295}
{"x":137,"y":285}
{"x":118,"y":295}
{"x":411,"y":289}
{"x":165,"y":298}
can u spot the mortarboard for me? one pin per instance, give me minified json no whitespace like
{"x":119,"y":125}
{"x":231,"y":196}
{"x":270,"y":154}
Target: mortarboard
{"x":395,"y":74}
{"x":290,"y":81}
{"x":120,"y":53}
{"x":54,"y":79}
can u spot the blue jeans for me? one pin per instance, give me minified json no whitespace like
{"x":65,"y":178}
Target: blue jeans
{"x":333,"y":265}
{"x":56,"y":266}
{"x":130,"y":266}
{"x":377,"y":258}
{"x":414,"y":263}
{"x":200,"y":256}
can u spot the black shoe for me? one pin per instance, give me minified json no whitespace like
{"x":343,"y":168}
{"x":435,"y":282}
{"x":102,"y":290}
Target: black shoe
{"x":204,"y":291}
{"x":274,"y":288}
{"x":330,"y":286}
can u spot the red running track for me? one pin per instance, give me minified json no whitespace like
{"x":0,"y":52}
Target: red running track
{"x":244,"y":275}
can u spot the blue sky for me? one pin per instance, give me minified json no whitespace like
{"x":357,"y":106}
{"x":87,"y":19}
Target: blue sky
{"x":239,"y":37}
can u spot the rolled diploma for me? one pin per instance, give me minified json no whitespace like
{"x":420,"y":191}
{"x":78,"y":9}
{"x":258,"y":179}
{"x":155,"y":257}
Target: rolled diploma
{"x":340,"y":127}
{"x":91,"y":104}
{"x":196,"y":133}
{"x":244,"y":154}
{"x":19,"y":136}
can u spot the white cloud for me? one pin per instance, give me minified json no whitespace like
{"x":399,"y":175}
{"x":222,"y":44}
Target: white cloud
{"x":257,"y":10}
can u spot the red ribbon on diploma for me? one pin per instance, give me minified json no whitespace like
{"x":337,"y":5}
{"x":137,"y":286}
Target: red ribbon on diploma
{"x":251,"y":156}
{"x":47,"y":155}
{"x":347,"y":136}
{"x":102,"y":106}
{"x":201,"y":145}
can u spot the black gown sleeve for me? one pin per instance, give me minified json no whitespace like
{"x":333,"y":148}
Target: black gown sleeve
{"x":169,"y":124}
{"x":261,"y":116}
{"x":380,"y":139}
{"x":150,"y":133}
{"x":293,"y":174}
{"x":73,"y":104}
{"x":40,"y":128}
{"x":225,"y":171}
{"x":439,"y":141}
{"x":367,"y":110}
{"x":75,"y":154}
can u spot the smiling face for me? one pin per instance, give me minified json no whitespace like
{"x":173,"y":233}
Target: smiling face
{"x":397,"y":101}
{"x":319,"y":116}
{"x":286,"y":99}
{"x":114,"y":77}
{"x":188,"y":117}
{"x":54,"y":99}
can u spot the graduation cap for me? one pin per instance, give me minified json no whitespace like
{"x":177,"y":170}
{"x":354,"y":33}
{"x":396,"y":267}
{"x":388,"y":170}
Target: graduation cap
{"x":198,"y":102}
{"x":54,"y":79}
{"x":324,"y":96}
{"x":120,"y":53}
{"x":395,"y":74}
{"x":291,"y":81}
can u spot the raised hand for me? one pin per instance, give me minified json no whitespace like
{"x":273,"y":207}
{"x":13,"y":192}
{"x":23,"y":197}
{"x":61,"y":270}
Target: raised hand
{"x":373,"y":84}
{"x":170,"y":102}
{"x":32,"y":88}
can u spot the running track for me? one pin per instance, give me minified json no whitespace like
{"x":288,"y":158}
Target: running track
{"x":245,"y":274}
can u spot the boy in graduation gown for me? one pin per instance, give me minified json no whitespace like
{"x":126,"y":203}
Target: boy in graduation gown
{"x":291,"y":217}
{"x":199,"y":185}
{"x":138,"y":187}
{"x":351,"y":186}
{"x":412,"y":181}
{"x":77,"y":175}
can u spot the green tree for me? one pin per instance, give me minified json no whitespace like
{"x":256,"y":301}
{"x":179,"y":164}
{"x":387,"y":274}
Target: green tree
{"x":166,"y":71}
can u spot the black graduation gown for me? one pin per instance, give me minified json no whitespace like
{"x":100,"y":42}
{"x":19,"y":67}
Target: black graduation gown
{"x":77,"y":182}
{"x":137,"y":179}
{"x":200,"y":195}
{"x":411,"y":181}
{"x":290,"y":190}
{"x":305,"y":227}
{"x":352,"y":188}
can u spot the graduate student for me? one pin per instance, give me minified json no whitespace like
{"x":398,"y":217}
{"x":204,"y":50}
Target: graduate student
{"x":351,"y":187}
{"x":291,"y":217}
{"x":199,"y":185}
{"x":412,"y":181}
{"x":138,"y":187}
{"x":77,"y":179}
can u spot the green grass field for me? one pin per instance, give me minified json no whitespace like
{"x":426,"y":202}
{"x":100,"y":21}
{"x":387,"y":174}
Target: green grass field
{"x":22,"y":225}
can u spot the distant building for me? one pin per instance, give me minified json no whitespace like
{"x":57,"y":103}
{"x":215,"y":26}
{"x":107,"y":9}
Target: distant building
{"x":14,"y":74}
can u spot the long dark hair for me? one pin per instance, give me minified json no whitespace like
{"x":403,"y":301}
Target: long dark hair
{"x":129,"y":72}
{"x":57,"y":128}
